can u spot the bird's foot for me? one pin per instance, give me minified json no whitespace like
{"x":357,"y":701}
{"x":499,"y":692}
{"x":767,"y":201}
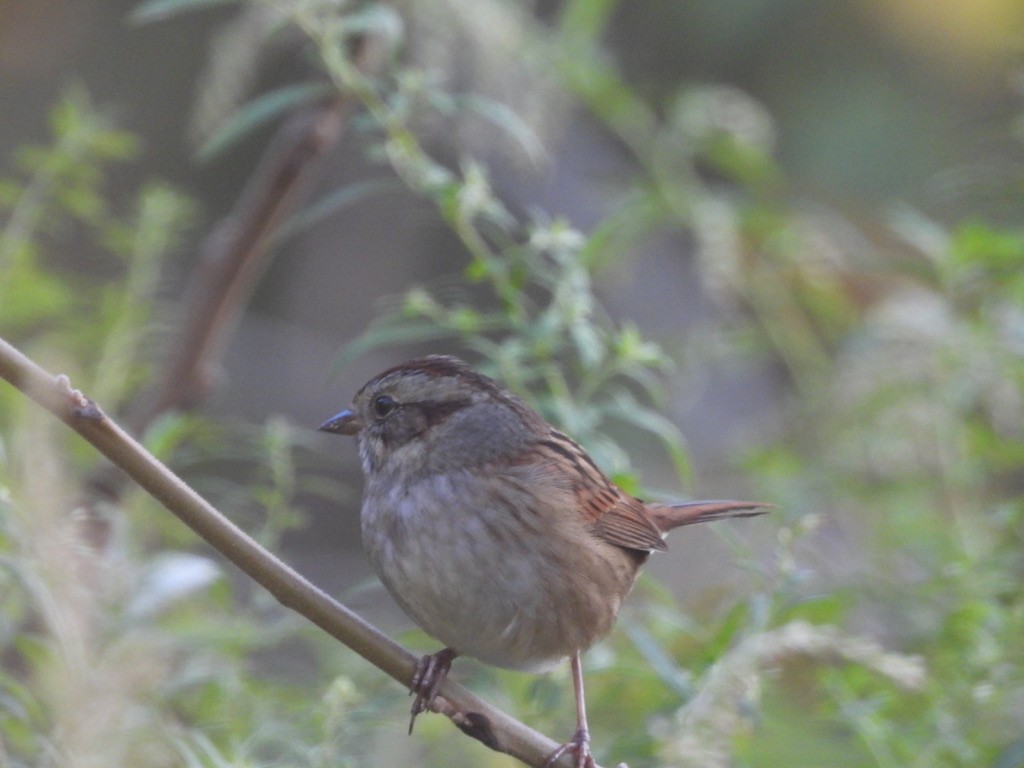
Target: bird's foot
{"x":430,"y":671}
{"x":579,"y":745}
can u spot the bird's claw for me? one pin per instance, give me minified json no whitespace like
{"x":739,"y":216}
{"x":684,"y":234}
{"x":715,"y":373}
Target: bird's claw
{"x":579,"y":745}
{"x":430,"y":672}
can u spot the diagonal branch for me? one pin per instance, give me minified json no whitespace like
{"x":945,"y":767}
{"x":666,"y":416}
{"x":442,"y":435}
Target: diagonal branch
{"x":471,"y":714}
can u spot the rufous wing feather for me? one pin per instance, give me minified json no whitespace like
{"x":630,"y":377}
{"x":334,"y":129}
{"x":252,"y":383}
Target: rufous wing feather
{"x":607,"y":511}
{"x":627,"y":524}
{"x":612,"y":514}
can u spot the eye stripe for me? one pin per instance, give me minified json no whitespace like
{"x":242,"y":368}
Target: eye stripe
{"x":438,"y":411}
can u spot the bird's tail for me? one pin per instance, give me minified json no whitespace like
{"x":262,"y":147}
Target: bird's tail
{"x":669,"y":516}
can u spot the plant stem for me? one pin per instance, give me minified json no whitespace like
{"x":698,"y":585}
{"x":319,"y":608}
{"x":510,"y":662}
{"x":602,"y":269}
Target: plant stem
{"x":471,"y":714}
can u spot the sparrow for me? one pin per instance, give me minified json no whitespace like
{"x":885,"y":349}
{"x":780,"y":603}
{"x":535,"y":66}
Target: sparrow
{"x":494,"y":531}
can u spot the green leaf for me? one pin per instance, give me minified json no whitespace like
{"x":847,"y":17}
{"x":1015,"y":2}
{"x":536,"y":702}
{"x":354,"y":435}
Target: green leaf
{"x":160,"y":10}
{"x":679,"y":680}
{"x":979,"y":245}
{"x":588,"y":342}
{"x":29,"y":296}
{"x":587,"y":19}
{"x":624,"y":405}
{"x":334,"y":202}
{"x":258,"y":113}
{"x":386,"y":335}
{"x":378,"y":21}
{"x":505,"y":118}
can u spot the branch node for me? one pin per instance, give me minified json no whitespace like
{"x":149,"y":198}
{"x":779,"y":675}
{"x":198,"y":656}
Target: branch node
{"x":472,"y":715}
{"x":79,"y":406}
{"x":477,"y":726}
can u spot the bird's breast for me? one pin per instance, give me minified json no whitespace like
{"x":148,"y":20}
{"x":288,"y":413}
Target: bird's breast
{"x":492,"y":569}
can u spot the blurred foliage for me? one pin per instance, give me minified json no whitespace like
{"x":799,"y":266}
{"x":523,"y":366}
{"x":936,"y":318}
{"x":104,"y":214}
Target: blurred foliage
{"x":118,"y":639}
{"x":896,"y":458}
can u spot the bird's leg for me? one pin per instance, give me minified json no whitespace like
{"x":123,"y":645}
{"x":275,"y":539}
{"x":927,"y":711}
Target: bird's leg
{"x":579,"y":744}
{"x":430,"y":671}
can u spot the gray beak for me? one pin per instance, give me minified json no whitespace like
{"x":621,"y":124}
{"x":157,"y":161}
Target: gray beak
{"x":344,"y":423}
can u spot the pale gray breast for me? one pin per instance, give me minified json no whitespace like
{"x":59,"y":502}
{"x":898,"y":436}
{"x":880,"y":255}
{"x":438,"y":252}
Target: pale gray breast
{"x":479,"y":563}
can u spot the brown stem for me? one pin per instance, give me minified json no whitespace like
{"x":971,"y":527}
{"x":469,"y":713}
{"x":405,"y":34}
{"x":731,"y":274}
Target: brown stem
{"x":235,"y":253}
{"x":472,"y":715}
{"x":232,"y":258}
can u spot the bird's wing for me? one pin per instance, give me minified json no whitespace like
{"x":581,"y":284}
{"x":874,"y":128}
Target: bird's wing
{"x":625,"y":523}
{"x":607,"y":511}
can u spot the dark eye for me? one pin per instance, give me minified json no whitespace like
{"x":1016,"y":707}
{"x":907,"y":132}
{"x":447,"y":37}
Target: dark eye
{"x":383,"y":406}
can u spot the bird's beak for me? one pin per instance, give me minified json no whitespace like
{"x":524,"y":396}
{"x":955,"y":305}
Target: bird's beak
{"x":344,"y":423}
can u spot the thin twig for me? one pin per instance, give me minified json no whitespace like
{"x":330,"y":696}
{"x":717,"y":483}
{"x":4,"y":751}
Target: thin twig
{"x":232,"y":258}
{"x":235,"y":253}
{"x":472,"y":715}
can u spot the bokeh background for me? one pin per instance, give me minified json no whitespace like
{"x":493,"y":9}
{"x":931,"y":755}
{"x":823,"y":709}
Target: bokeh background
{"x":846,"y":264}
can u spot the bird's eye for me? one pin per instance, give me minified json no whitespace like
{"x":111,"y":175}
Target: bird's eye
{"x":383,"y":406}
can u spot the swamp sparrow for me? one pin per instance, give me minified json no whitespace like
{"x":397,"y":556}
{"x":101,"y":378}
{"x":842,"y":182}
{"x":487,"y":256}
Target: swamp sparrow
{"x":495,"y":532}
